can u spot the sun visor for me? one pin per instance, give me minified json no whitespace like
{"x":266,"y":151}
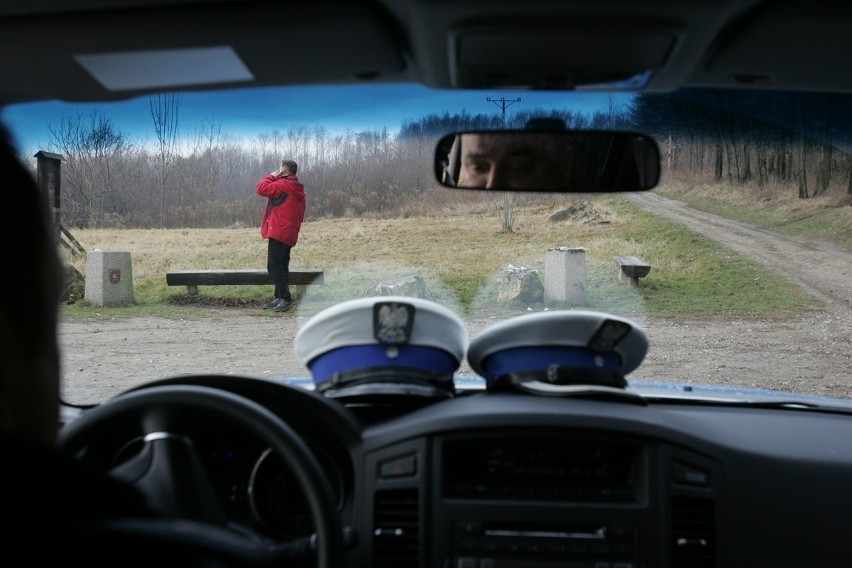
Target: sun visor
{"x":124,"y":53}
{"x":757,"y":51}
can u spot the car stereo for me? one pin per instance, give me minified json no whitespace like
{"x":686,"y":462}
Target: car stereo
{"x":509,"y":545}
{"x":554,"y":469}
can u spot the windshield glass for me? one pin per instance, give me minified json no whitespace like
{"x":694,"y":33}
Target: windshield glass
{"x":737,"y":265}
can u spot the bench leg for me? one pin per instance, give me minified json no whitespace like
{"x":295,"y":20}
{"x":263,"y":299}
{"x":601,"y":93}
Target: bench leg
{"x":192,"y":289}
{"x":632,"y":282}
{"x":300,"y":290}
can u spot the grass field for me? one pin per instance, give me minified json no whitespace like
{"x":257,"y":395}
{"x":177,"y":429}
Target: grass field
{"x":827,"y":217}
{"x":461,"y":254}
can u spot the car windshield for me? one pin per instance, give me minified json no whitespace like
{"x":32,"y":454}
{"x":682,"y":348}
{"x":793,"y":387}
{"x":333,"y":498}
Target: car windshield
{"x":737,"y":264}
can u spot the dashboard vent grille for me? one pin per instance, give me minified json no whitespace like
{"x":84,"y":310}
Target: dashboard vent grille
{"x":693,"y":533}
{"x":396,"y":529}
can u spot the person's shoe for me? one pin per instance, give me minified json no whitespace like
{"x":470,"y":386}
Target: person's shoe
{"x":272,"y":304}
{"x":283,"y":306}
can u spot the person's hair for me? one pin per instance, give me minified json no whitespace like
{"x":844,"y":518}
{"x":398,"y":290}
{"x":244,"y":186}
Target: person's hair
{"x":28,"y":299}
{"x":290,"y":165}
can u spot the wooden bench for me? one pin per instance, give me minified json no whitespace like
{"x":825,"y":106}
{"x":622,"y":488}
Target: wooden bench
{"x":300,"y":278}
{"x":632,"y":269}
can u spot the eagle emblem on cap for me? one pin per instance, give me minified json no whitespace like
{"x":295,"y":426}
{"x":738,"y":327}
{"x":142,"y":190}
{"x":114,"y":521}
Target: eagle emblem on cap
{"x":393,"y":322}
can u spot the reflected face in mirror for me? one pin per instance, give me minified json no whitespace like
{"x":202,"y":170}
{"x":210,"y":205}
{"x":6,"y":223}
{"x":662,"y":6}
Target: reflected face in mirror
{"x":491,"y":161}
{"x":530,"y":160}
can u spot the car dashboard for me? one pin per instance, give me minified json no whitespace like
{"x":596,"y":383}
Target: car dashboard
{"x":513,"y":479}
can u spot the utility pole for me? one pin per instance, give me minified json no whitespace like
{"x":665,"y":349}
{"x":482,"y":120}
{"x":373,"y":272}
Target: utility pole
{"x":503,"y":103}
{"x":508,"y":213}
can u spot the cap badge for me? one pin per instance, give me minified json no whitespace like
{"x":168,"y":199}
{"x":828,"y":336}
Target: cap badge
{"x":393,"y":322}
{"x":608,"y":335}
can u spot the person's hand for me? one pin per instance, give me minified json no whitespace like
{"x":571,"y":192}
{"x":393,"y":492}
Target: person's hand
{"x":278,"y":173}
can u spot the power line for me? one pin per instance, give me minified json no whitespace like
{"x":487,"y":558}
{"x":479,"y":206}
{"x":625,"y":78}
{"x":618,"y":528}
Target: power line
{"x":503,"y":103}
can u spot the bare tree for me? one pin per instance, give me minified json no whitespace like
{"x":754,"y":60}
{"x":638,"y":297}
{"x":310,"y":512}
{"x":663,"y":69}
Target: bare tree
{"x":94,"y":149}
{"x":277,"y":141}
{"x":164,"y":112}
{"x":211,"y":136}
{"x":508,"y":211}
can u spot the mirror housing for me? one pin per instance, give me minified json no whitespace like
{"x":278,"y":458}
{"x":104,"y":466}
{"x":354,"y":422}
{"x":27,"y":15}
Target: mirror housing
{"x":573,"y":161}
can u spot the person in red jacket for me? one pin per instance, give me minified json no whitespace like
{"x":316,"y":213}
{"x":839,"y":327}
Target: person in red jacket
{"x":282,"y":220}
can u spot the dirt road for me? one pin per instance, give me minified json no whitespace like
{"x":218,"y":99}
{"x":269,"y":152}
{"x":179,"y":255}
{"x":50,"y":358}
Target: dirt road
{"x":819,"y":267}
{"x":812,"y":354}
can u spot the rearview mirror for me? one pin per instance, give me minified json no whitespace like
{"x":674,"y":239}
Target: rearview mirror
{"x":570,"y":161}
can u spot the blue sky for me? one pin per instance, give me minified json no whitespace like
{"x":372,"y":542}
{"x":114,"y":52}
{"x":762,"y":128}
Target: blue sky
{"x":247,"y":113}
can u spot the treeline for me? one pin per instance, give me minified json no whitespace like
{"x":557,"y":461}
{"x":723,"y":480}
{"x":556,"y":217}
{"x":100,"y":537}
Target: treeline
{"x":760,"y":137}
{"x":207,"y":179}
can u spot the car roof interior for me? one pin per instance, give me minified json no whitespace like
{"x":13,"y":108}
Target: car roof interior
{"x":653,"y":46}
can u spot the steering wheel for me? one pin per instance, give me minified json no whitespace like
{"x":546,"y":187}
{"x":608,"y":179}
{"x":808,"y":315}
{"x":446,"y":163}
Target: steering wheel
{"x":169,"y":473}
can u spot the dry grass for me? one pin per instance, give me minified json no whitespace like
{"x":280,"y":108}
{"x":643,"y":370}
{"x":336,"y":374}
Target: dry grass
{"x":448,"y":245}
{"x":460,"y":253}
{"x":827,"y":217}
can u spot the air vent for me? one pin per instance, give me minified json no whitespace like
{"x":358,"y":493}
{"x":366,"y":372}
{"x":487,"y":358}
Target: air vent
{"x":693,"y":533}
{"x":396,"y":529}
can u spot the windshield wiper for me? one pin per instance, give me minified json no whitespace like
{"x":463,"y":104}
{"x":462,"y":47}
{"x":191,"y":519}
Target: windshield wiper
{"x":770,"y":403}
{"x":797,"y":404}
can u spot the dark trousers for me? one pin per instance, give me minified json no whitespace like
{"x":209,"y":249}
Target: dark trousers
{"x":278,"y":266}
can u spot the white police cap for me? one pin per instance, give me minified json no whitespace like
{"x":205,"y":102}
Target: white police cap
{"x":558,"y":348}
{"x":383,"y":345}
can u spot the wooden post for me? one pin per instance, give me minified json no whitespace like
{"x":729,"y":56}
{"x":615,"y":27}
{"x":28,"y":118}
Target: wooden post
{"x":48,"y":178}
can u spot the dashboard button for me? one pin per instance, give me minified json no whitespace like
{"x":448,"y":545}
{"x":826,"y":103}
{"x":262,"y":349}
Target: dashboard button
{"x":399,"y":467}
{"x":689,"y":475}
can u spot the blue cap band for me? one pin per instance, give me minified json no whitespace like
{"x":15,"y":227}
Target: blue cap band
{"x":525,"y":359}
{"x":359,"y":357}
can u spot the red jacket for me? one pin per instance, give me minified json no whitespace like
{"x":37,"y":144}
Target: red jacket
{"x":285,"y":208}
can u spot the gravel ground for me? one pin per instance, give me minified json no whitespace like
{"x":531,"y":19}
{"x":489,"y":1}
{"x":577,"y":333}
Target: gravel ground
{"x":812,"y":354}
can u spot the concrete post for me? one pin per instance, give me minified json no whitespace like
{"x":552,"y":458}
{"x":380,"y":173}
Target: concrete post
{"x":109,"y":278}
{"x":565,"y":276}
